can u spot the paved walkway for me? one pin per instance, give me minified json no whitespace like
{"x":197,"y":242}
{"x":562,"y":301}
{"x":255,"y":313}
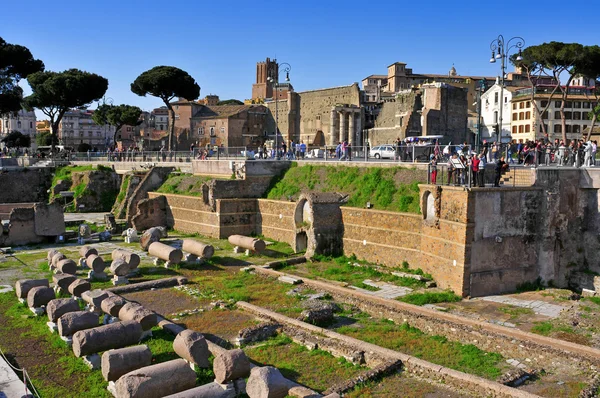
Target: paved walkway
{"x":385,"y":289}
{"x":10,"y":384}
{"x":89,"y":217}
{"x":538,"y":307}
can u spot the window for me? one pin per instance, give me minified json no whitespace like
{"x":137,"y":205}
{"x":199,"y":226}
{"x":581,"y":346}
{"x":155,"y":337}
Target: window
{"x":514,"y":116}
{"x":557,"y":115}
{"x":212,"y":131}
{"x":30,"y":125}
{"x":200,"y":130}
{"x":527,"y":128}
{"x":506,"y":100}
{"x":576,"y":128}
{"x":521,"y":105}
{"x":514,"y":129}
{"x":543,"y":128}
{"x":576,"y":115}
{"x":496,"y":117}
{"x":520,"y":128}
{"x":528,"y":105}
{"x":545,"y":115}
{"x":585,"y":115}
{"x":544,"y":104}
{"x":557,"y":128}
{"x":514,"y":106}
{"x":495,"y":98}
{"x":586,"y":105}
{"x":160,"y":127}
{"x":569,"y":128}
{"x":18,"y":124}
{"x":577,"y":104}
{"x":568,"y":104}
{"x":568,"y":116}
{"x":528,"y":115}
{"x":557,"y":104}
{"x":521,"y":115}
{"x":222,"y":130}
{"x":90,"y":133}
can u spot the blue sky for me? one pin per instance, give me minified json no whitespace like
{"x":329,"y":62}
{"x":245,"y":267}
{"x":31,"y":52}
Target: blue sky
{"x":328,"y":43}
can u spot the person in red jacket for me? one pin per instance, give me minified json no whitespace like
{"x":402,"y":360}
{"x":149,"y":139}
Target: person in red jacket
{"x":475,"y":162}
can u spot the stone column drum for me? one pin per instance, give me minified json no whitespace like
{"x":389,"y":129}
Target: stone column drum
{"x":39,"y":296}
{"x":156,"y":381}
{"x":129,"y":257}
{"x":247,"y":242}
{"x":199,"y":249}
{"x":116,"y":363}
{"x":231,"y":365}
{"x":135,"y":312}
{"x":58,"y":307}
{"x":165,"y":252}
{"x":267,"y":381}
{"x":23,"y":286}
{"x":72,"y":322}
{"x":102,"y":338}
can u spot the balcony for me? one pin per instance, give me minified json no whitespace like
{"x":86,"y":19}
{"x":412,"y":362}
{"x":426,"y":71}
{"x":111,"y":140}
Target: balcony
{"x":549,"y":89}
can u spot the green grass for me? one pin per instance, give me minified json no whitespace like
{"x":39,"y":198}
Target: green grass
{"x":531,"y":286}
{"x":515,"y":312}
{"x":437,"y":349}
{"x":394,"y":189}
{"x":342,"y":269}
{"x":123,"y":190}
{"x":430,"y":298}
{"x":316,"y":369}
{"x":72,"y":376}
{"x":184,"y":184}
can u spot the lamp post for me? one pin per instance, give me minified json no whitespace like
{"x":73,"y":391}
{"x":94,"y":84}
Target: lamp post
{"x":500,"y":50}
{"x":274,"y":80}
{"x":480,"y":91}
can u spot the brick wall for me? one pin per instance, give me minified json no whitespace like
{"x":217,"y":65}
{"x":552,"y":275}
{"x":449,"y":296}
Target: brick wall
{"x":275,"y":220}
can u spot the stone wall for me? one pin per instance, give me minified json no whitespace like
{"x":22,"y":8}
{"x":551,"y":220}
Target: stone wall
{"x":150,"y":213}
{"x":101,"y":188}
{"x":153,"y":180}
{"x":275,"y":220}
{"x":25,"y":185}
{"x":33,"y":224}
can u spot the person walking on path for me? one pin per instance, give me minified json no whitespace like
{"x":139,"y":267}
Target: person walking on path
{"x":433,"y":168}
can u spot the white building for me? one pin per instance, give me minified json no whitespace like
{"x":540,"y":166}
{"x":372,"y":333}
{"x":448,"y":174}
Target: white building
{"x":77,"y":127}
{"x":23,"y":122}
{"x":490,"y":113}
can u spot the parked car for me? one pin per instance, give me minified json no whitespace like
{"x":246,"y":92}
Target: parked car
{"x":383,"y":152}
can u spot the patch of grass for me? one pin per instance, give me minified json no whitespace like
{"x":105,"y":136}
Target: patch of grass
{"x":515,"y":312}
{"x":437,"y":349}
{"x":531,"y":286}
{"x":316,"y":369}
{"x":363,"y":285}
{"x":543,"y":328}
{"x":595,"y":300}
{"x":342,"y":269}
{"x":447,"y":296}
{"x":184,"y":184}
{"x":122,"y":191}
{"x":393,"y":188}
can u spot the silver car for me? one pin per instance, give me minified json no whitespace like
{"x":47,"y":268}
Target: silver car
{"x":383,"y":152}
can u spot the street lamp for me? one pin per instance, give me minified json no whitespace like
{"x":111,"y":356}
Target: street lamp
{"x":500,"y":50}
{"x":285,"y":67}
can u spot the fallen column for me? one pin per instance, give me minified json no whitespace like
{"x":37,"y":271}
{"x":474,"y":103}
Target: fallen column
{"x":23,"y":286}
{"x":167,"y":253}
{"x":192,"y":347}
{"x":56,"y":258}
{"x":129,"y":257}
{"x":231,"y":365}
{"x":267,"y":381}
{"x":135,"y":312}
{"x":152,"y":284}
{"x":66,"y":266}
{"x":78,"y":287}
{"x":95,"y":263}
{"x":58,"y":307}
{"x":197,"y":250}
{"x":150,"y":236}
{"x":102,"y":338}
{"x":94,"y":298}
{"x":72,"y":322}
{"x":253,"y":245}
{"x":85,"y":251}
{"x":156,"y":381}
{"x":116,"y":363}
{"x":39,"y":296}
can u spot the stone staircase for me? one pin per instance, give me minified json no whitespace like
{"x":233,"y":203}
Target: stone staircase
{"x":518,"y":177}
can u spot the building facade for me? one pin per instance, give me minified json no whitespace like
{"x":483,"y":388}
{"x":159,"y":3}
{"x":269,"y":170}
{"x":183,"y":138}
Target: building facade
{"x":526,"y":123}
{"x":232,"y":126}
{"x":77,"y":127}
{"x":491,"y":102}
{"x":23,"y":122}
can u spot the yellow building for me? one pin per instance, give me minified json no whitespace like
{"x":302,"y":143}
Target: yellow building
{"x":526,"y":124}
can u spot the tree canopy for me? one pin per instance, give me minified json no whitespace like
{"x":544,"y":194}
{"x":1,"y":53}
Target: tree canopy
{"x":54,"y":93}
{"x":230,"y":102}
{"x":46,"y":139}
{"x":16,"y":139}
{"x":166,"y":83}
{"x":16,"y":63}
{"x":117,"y":116}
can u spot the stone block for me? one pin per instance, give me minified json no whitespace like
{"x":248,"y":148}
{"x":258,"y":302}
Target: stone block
{"x":231,"y":365}
{"x":63,"y":281}
{"x":57,"y":257}
{"x":119,"y":267}
{"x":135,"y":312}
{"x":268,"y":382}
{"x":192,"y":346}
{"x":150,"y":236}
{"x":94,"y":297}
{"x":39,"y":296}
{"x":129,"y":257}
{"x":112,"y":305}
{"x":49,"y":219}
{"x":67,"y":266}
{"x":85,"y":251}
{"x":588,"y":293}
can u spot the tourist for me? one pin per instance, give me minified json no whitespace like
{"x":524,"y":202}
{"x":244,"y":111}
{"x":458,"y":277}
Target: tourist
{"x":560,"y":154}
{"x":500,"y":167}
{"x":302,"y":149}
{"x":548,"y":150}
{"x":338,"y":151}
{"x":451,"y":169}
{"x":345,"y":151}
{"x":588,"y":149}
{"x":475,"y":162}
{"x":433,"y":168}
